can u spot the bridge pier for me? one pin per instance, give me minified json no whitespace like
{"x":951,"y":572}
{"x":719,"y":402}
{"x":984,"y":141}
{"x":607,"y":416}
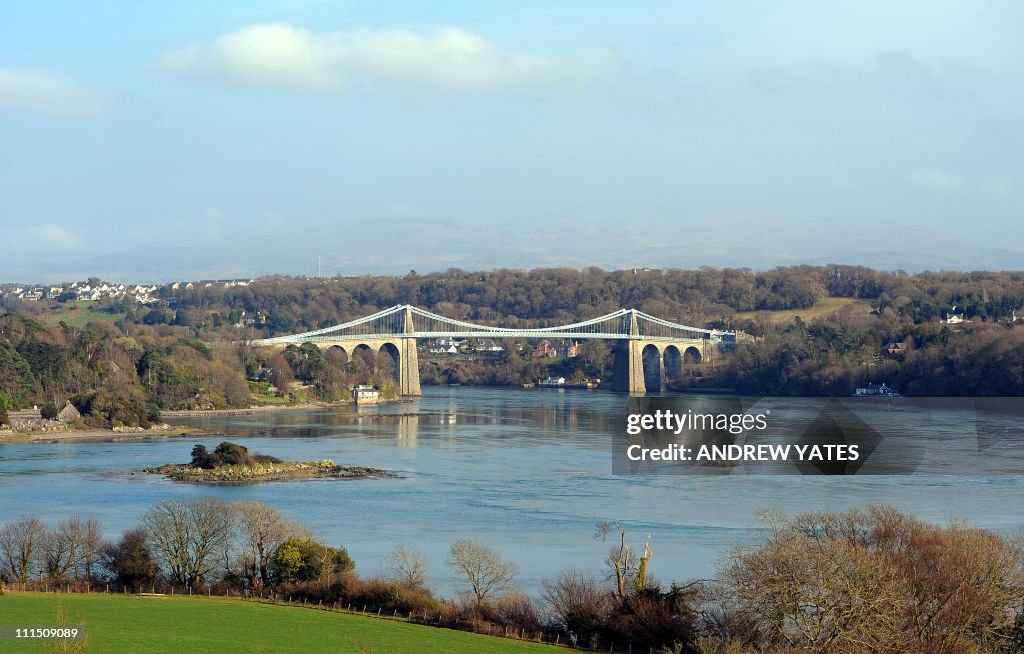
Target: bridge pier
{"x":632,"y":374}
{"x":408,"y":368}
{"x":628,"y":367}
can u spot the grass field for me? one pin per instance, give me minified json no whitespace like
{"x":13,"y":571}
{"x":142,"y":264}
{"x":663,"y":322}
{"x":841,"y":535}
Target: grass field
{"x":117,"y":623}
{"x":77,"y":314}
{"x":824,"y":307}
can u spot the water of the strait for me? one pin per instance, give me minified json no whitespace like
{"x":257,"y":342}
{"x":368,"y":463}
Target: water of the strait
{"x":527,"y":472}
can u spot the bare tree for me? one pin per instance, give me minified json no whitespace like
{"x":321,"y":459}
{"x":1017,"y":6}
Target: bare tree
{"x":91,"y":548}
{"x":73,"y":548}
{"x":22,"y":545}
{"x":621,"y":559}
{"x":880,"y":580}
{"x":58,"y":553}
{"x":187,"y":535}
{"x":407,"y":565}
{"x":482,"y":568}
{"x":262,"y":529}
{"x":577,"y":602}
{"x":280,"y":374}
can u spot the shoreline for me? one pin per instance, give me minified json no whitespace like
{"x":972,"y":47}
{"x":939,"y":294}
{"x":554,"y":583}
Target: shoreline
{"x":303,"y":406}
{"x":99,"y":435}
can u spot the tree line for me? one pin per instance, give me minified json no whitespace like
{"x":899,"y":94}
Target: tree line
{"x":856,"y":582}
{"x":112,"y":378}
{"x":126,"y":372}
{"x":539,"y":297}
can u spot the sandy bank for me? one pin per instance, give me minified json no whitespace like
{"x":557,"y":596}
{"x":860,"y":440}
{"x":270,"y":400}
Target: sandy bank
{"x":97,"y":435}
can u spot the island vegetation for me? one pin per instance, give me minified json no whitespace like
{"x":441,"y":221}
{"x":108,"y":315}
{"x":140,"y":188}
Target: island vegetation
{"x":230,"y":463}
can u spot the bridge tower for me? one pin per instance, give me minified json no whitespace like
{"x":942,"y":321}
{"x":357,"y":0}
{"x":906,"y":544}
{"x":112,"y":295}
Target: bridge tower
{"x":628,"y":364}
{"x":408,"y":360}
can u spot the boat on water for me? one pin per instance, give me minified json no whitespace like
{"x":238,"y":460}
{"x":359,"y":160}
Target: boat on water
{"x":877,"y":390}
{"x":559,"y":382}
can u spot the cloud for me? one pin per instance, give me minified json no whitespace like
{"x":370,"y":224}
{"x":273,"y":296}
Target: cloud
{"x":893,"y":73}
{"x":939,"y":182}
{"x":281,"y":56}
{"x":37,"y":92}
{"x":28,"y":242}
{"x":997,"y":186}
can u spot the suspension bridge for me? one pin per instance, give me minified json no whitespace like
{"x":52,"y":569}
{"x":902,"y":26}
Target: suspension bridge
{"x":647,"y":349}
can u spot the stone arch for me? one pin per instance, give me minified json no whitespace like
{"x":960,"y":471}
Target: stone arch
{"x":337,"y":355}
{"x":673,"y":360}
{"x":653,"y":373}
{"x":389,"y":363}
{"x":692,"y":355}
{"x":363,"y":361}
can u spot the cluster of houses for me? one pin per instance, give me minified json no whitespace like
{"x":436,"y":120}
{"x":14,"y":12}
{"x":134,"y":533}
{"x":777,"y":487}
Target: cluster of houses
{"x":88,"y":291}
{"x":210,"y":283}
{"x":94,"y":290}
{"x":543,"y":350}
{"x":455,"y":346}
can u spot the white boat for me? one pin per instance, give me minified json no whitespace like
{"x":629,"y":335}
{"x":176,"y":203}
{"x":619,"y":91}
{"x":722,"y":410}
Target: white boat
{"x":873,"y":390}
{"x":553,"y":381}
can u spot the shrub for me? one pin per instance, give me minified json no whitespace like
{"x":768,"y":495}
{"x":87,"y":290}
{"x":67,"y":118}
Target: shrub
{"x":374,"y":594}
{"x":225,"y":454}
{"x":578,"y":603}
{"x":129,"y":561}
{"x":48,"y":411}
{"x":307,"y":560}
{"x":390,"y":597}
{"x":5,"y":406}
{"x":916,"y":587}
{"x":266,"y":458}
{"x":230,"y":454}
{"x":515,"y":611}
{"x":105,"y":410}
{"x":653,"y":618}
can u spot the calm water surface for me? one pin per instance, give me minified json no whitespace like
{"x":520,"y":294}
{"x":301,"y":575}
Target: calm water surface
{"x":526,"y":472}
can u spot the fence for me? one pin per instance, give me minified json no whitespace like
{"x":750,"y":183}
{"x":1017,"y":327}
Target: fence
{"x":438,"y":620}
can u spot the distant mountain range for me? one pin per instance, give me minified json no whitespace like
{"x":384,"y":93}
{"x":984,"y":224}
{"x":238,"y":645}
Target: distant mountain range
{"x":394,"y":247}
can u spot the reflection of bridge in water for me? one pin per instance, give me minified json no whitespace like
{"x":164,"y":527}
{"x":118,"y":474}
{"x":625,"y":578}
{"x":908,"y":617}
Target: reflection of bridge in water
{"x":647,"y":349}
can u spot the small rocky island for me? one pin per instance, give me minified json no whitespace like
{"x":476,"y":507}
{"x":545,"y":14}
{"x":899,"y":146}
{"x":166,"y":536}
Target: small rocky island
{"x":231,"y":463}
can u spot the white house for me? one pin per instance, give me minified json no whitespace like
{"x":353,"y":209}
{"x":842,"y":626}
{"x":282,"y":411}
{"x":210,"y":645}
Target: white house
{"x":445,"y":346}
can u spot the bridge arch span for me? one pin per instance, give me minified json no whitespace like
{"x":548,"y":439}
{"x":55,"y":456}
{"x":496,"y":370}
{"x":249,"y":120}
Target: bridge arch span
{"x":692,"y":355}
{"x":652,"y":368}
{"x":673,"y":362}
{"x":339,"y":352}
{"x":364,"y":358}
{"x":389,"y":362}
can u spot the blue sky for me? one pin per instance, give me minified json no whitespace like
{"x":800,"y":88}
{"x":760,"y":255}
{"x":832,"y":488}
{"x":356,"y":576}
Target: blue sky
{"x":160,"y":140}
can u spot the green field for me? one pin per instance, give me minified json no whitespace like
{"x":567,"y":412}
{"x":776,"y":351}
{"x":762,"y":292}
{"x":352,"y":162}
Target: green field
{"x":116,"y":623}
{"x":77,"y":314}
{"x":825,"y":307}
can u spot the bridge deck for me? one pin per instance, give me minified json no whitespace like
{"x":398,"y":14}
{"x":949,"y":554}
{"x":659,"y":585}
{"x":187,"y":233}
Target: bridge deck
{"x":407,"y":321}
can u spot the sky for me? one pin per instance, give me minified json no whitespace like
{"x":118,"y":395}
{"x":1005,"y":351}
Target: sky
{"x":156,"y":140}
